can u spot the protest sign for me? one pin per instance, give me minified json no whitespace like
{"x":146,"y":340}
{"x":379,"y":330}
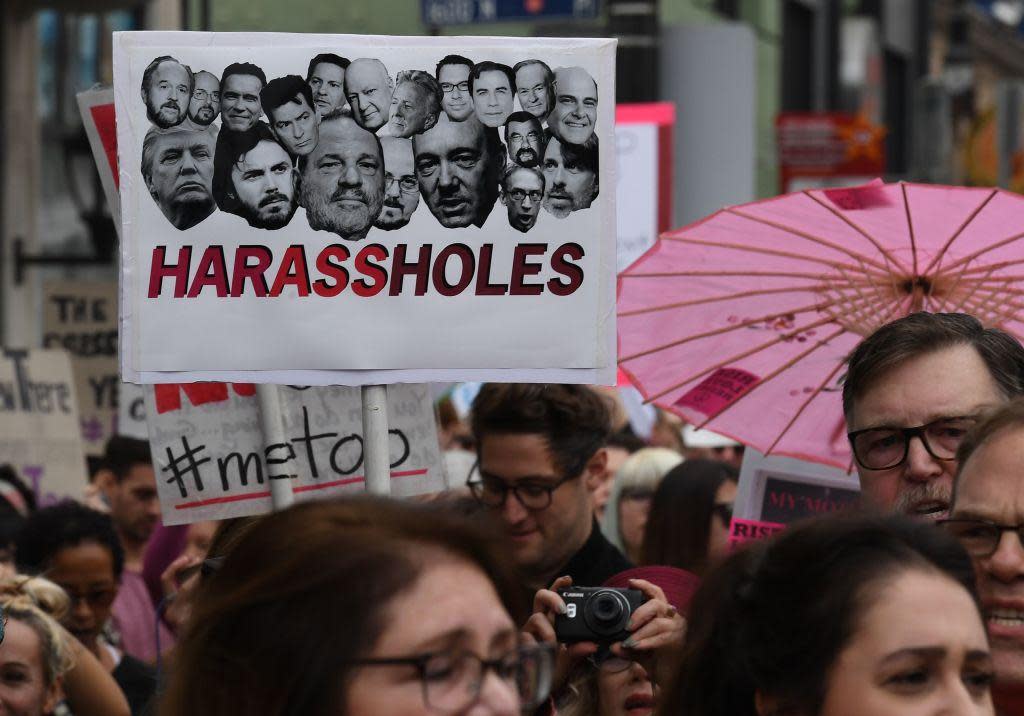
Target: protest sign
{"x":39,"y":430}
{"x":741,"y":531}
{"x":411,"y":233}
{"x":131,"y":412}
{"x":212,"y":462}
{"x":778,"y":490}
{"x":82,"y":319}
{"x":96,"y":106}
{"x":643,"y":146}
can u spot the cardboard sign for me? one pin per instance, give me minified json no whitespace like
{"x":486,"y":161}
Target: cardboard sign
{"x":131,"y":412}
{"x":403,"y":225}
{"x":212,"y":463}
{"x":820,"y":149}
{"x":780,"y":489}
{"x":742,"y":531}
{"x":39,"y":429}
{"x":97,"y":109}
{"x":643,"y":145}
{"x":82,"y":319}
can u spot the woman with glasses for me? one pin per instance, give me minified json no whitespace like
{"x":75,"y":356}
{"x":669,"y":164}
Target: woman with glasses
{"x":361,"y":607}
{"x":625,"y":515}
{"x":78,"y":549}
{"x":688,"y":525}
{"x":838,"y":616}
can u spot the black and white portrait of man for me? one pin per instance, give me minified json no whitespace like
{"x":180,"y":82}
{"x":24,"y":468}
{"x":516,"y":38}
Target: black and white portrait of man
{"x":522,"y":190}
{"x":415,"y":104}
{"x":570,"y":173}
{"x":204,"y":105}
{"x":342,"y":180}
{"x":292,"y":113}
{"x":368,"y":88}
{"x":493,"y":88}
{"x":524,"y":138}
{"x":534,"y":81}
{"x":177,"y":166}
{"x":166,"y":91}
{"x":452,"y":75}
{"x":326,"y":78}
{"x":253,"y":177}
{"x":574,"y":115}
{"x":458,"y":166}
{"x":240,"y":87}
{"x":401,"y":190}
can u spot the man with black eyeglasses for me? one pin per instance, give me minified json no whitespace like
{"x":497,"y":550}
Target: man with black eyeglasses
{"x":987,"y":516}
{"x":913,"y":389}
{"x":541,"y":454}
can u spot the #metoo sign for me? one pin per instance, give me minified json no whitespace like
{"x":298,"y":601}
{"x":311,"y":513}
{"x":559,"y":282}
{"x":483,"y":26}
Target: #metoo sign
{"x":212,"y":461}
{"x":39,"y":432}
{"x":339,"y":209}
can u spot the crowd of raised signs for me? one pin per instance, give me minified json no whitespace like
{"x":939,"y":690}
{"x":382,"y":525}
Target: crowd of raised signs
{"x":580,"y":570}
{"x":356,"y":146}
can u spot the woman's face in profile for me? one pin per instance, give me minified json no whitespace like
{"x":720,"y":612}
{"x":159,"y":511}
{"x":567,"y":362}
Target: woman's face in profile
{"x":452,"y":609}
{"x":23,"y":688}
{"x":920,"y":650}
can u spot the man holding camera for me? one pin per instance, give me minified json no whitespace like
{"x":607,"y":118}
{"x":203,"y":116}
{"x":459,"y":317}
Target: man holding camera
{"x":541,"y":454}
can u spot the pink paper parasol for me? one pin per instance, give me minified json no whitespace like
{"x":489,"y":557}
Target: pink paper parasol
{"x":743,"y":321}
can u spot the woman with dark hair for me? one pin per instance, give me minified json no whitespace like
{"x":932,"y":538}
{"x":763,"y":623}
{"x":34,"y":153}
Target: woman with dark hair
{"x":364,"y":607}
{"x":838,"y":616}
{"x":688,"y":525}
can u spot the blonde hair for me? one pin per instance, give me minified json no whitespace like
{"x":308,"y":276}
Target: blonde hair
{"x":40,"y":604}
{"x":641,"y":470}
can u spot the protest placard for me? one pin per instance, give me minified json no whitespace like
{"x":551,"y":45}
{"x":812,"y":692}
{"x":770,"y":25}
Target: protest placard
{"x":412,"y":230}
{"x":39,"y":429}
{"x":81,"y":318}
{"x":212,"y":462}
{"x":643,"y":145}
{"x":778,"y":490}
{"x":96,"y":106}
{"x":131,"y":412}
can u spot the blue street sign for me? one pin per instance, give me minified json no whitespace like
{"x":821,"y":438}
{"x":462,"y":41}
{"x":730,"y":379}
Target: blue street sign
{"x":466,"y":12}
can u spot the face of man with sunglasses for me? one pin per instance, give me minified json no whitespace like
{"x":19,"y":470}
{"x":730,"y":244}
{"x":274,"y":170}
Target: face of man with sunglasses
{"x":990,"y":495}
{"x":549,"y":516}
{"x":941,"y":393}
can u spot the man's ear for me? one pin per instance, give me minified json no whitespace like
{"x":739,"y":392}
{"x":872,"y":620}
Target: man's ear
{"x":597,"y":465}
{"x":431,"y":121}
{"x":105,"y":480}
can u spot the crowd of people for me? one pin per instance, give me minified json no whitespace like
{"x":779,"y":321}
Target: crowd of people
{"x":581,"y":570}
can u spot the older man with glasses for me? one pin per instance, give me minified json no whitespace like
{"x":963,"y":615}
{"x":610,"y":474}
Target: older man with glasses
{"x":987,"y":517}
{"x":913,"y":389}
{"x":541,"y":454}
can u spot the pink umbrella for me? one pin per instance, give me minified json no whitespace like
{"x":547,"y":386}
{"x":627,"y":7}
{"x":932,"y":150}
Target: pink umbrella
{"x":742,"y":322}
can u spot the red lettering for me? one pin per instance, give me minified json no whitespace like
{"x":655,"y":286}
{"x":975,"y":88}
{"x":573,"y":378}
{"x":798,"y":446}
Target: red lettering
{"x":441,"y":284}
{"x":168,"y":395}
{"x":211,"y":271}
{"x":379,"y":274}
{"x":158,"y":271}
{"x":400,"y":268}
{"x":484,"y":287}
{"x":521,"y":268}
{"x":331,"y":270}
{"x":292,"y":272}
{"x":570,"y":270}
{"x":254,"y":273}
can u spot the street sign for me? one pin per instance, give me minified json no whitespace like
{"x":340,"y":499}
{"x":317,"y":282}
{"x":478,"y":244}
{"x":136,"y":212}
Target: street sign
{"x":467,"y":12}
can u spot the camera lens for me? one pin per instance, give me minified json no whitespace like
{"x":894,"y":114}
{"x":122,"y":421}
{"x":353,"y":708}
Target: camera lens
{"x":607,"y":608}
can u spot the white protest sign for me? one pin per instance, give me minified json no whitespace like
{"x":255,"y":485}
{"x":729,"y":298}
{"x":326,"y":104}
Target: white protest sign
{"x":97,"y":109}
{"x":81,"y":318}
{"x":39,"y":430}
{"x":402,"y":246}
{"x":643,"y":145}
{"x":131,"y":412}
{"x":211,"y":461}
{"x":779,"y":490}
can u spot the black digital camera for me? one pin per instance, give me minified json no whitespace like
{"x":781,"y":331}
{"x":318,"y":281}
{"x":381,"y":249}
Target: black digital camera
{"x":599,"y":614}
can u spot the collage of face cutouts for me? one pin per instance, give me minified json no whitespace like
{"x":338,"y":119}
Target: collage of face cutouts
{"x":358,"y":147}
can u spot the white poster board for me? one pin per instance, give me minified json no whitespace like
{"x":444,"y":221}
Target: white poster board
{"x":212,"y":462}
{"x":81,"y":318}
{"x":39,"y":431}
{"x":215,"y":286}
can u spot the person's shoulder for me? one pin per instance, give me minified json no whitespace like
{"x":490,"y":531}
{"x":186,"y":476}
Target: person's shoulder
{"x":131,"y":669}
